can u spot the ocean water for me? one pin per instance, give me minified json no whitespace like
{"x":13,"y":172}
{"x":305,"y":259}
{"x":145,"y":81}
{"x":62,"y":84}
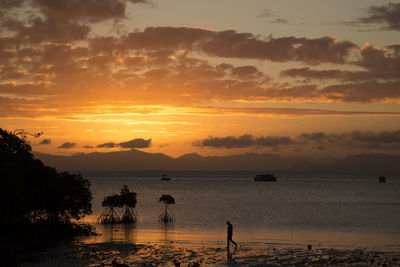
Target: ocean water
{"x":320,"y":209}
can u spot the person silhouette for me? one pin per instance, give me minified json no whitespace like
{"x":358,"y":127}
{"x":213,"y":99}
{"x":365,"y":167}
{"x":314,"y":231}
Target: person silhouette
{"x":230,"y":233}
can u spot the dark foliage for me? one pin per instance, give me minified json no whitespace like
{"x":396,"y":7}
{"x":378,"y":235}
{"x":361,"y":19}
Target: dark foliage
{"x":37,"y":198}
{"x":166,"y":217}
{"x":126,"y":200}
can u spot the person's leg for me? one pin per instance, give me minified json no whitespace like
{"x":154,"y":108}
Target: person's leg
{"x":233,"y":243}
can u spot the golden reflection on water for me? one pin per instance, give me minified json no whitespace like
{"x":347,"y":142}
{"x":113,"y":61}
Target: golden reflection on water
{"x":168,"y":235}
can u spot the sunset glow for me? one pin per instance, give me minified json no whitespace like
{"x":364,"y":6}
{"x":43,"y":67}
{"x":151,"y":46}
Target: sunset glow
{"x":87,"y":74}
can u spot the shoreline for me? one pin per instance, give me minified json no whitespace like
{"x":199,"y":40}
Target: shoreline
{"x":172,"y":254}
{"x":143,"y":233}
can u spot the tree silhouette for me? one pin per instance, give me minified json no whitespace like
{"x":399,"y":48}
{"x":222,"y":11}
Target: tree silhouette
{"x":110,"y":214}
{"x":166,"y":217}
{"x":37,"y":203}
{"x":32,"y":192}
{"x":127,"y":200}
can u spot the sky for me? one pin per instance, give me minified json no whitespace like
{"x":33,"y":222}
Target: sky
{"x":290,"y":77}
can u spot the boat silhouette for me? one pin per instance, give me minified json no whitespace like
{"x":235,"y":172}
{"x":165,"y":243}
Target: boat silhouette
{"x":165,"y":177}
{"x":265,"y":178}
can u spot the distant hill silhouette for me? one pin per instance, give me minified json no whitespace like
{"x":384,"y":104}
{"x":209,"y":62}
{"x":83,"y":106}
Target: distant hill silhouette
{"x":135,"y":160}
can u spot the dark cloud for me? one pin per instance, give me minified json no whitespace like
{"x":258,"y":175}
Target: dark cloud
{"x":226,"y":142}
{"x":45,"y":142}
{"x":59,"y":21}
{"x":73,"y":10}
{"x":166,"y":38}
{"x":280,"y":21}
{"x":26,"y":89}
{"x":379,"y":82}
{"x":375,"y":58}
{"x":107,"y":145}
{"x":68,"y":145}
{"x":295,"y":112}
{"x":49,"y":55}
{"x":246,"y":45}
{"x":52,"y":29}
{"x":388,"y":14}
{"x":136,"y":143}
{"x":340,"y":75}
{"x":243,"y":141}
{"x":247,"y":72}
{"x":11,"y":73}
{"x":88,"y":10}
{"x":232,"y":44}
{"x":370,"y":91}
{"x":139,"y":1}
{"x":267,"y":13}
{"x":371,"y":137}
{"x":318,"y":140}
{"x":316,"y":136}
{"x":368,"y":139}
{"x":4,"y":4}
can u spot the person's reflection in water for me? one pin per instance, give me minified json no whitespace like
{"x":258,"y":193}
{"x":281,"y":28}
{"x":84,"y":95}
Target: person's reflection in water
{"x":230,"y":233}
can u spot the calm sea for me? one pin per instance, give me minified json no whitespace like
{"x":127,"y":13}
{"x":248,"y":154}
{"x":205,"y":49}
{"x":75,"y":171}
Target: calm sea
{"x":321,"y":209}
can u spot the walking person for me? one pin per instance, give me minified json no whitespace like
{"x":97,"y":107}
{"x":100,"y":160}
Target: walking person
{"x":230,"y":233}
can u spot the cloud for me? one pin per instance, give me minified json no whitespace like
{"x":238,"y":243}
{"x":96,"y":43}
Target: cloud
{"x":360,"y":139}
{"x":291,"y":112}
{"x":45,"y":142}
{"x":107,"y":145}
{"x":10,"y":3}
{"x":67,"y":145}
{"x":340,"y":75}
{"x":315,"y":136}
{"x":267,"y":13}
{"x":23,"y":88}
{"x":166,"y":38}
{"x":320,"y":140}
{"x":88,"y":10}
{"x":388,"y":14}
{"x":56,"y":54}
{"x":69,"y":10}
{"x":245,"y":45}
{"x":232,"y":44}
{"x":136,"y":143}
{"x":279,"y":21}
{"x":365,"y":92}
{"x":59,"y":21}
{"x":243,"y":141}
{"x":383,"y":59}
{"x":52,"y":29}
{"x":387,"y":137}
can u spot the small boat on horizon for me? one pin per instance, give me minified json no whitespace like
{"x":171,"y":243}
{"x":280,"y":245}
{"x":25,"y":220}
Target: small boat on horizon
{"x":265,"y":178}
{"x":165,"y":177}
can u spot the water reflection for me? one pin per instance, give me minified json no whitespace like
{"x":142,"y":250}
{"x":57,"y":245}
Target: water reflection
{"x":117,"y":233}
{"x":168,"y":233}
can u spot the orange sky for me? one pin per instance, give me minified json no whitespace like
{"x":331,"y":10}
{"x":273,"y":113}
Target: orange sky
{"x":191,"y":76}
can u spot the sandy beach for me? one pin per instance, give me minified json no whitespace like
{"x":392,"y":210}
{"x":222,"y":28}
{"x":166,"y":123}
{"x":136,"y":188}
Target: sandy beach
{"x":170,"y":254}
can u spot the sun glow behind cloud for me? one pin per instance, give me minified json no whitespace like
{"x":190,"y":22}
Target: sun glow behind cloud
{"x":79,"y":72}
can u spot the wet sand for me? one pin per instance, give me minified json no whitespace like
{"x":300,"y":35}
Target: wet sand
{"x":170,"y":254}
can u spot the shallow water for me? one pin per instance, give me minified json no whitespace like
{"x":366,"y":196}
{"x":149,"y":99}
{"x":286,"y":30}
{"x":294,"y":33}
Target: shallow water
{"x":320,"y":209}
